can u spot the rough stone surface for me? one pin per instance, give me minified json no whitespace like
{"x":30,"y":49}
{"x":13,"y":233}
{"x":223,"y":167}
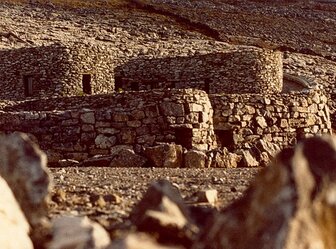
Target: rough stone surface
{"x":127,"y":158}
{"x":165,"y":155}
{"x":163,"y":212}
{"x":13,"y":224}
{"x":195,"y":159}
{"x":139,"y":241}
{"x":24,"y":166}
{"x":290,"y":205}
{"x":78,"y":232}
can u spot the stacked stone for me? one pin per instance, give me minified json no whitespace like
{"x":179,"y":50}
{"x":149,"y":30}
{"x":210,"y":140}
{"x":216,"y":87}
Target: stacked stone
{"x":239,"y":71}
{"x":279,"y":118}
{"x":138,"y":120}
{"x":56,"y":70}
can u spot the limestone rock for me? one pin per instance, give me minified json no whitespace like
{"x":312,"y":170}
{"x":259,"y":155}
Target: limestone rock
{"x":208,"y":196}
{"x":165,"y":155}
{"x":127,"y":158}
{"x":163,"y":212}
{"x":139,"y":241}
{"x":222,"y":158}
{"x":13,"y":224}
{"x":79,"y":233}
{"x":291,"y":204}
{"x":24,"y":166}
{"x":248,"y":160}
{"x":195,"y":159}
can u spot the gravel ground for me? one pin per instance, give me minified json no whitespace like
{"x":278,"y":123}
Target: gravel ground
{"x":107,"y":195}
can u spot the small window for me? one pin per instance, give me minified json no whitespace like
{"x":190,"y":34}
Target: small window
{"x":86,"y":82}
{"x":28,"y":85}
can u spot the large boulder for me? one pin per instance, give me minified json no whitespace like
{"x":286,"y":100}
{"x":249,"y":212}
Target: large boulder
{"x":79,"y":233}
{"x":163,"y":212}
{"x":291,"y":204}
{"x":165,"y":155}
{"x":195,"y":159}
{"x":139,"y":241}
{"x":127,"y":158}
{"x":13,"y":224}
{"x":24,"y":166}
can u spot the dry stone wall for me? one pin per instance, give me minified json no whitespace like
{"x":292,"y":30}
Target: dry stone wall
{"x":283,"y":119}
{"x":55,"y":70}
{"x":137,"y":119}
{"x":238,"y":71}
{"x":81,"y":127}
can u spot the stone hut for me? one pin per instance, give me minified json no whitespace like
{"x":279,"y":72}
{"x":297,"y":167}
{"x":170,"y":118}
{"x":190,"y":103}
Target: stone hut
{"x":54,"y":71}
{"x":247,"y":70}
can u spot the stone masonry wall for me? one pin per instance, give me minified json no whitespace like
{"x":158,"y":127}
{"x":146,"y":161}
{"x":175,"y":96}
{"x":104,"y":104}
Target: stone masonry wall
{"x":278,"y":118}
{"x":243,"y":71}
{"x":81,"y":127}
{"x":56,"y":70}
{"x":137,"y":119}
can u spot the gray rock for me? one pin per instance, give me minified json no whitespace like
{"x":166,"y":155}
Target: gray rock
{"x":163,"y":212}
{"x":79,"y":233}
{"x":165,"y":155}
{"x":24,"y":166}
{"x":291,"y":204}
{"x":13,"y":224}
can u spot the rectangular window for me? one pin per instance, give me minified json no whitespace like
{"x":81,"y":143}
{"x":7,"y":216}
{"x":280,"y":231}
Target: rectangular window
{"x":28,"y":85}
{"x":86,"y":82}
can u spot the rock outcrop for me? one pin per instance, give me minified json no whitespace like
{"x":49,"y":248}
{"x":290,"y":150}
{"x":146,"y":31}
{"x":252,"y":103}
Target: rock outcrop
{"x":12,"y":221}
{"x":24,"y":166}
{"x":78,"y":232}
{"x":165,"y":155}
{"x":291,"y":205}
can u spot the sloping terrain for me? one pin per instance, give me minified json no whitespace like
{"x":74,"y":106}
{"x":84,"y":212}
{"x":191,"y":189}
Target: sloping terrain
{"x":304,"y":30}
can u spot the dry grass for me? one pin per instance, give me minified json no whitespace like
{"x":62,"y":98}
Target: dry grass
{"x":74,"y":3}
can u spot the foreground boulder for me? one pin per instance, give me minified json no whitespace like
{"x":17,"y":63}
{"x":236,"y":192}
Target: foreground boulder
{"x":139,"y":241}
{"x":165,"y":155}
{"x":79,"y":233}
{"x":24,"y":166}
{"x":291,"y":205}
{"x":13,"y":224}
{"x":163,"y":212}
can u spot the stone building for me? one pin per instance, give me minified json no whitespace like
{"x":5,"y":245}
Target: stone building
{"x":227,"y":99}
{"x":235,"y":71}
{"x":55,"y":70}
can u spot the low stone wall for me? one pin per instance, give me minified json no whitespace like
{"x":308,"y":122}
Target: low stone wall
{"x":243,"y":71}
{"x":137,"y":119}
{"x":81,"y":127}
{"x":241,"y":119}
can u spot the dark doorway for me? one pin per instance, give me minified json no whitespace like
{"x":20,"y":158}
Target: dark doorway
{"x":28,"y":85}
{"x":207,"y":87}
{"x":184,"y":137}
{"x":225,"y":139}
{"x":86,"y":81}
